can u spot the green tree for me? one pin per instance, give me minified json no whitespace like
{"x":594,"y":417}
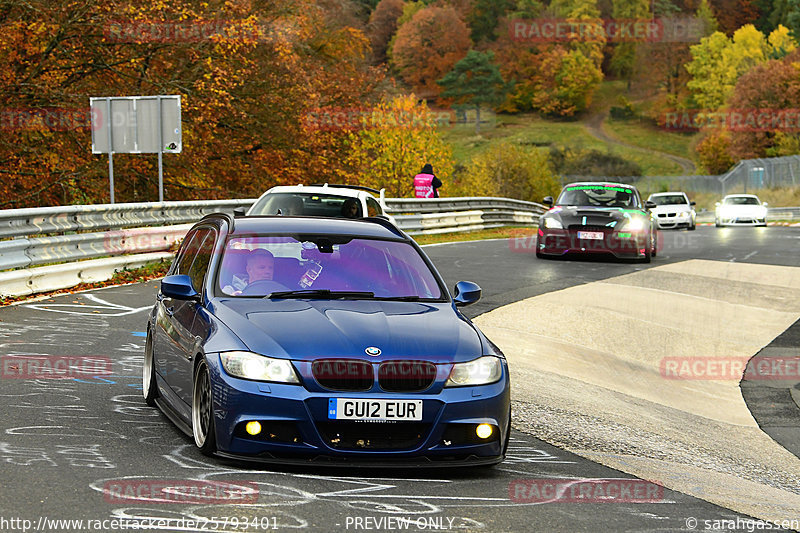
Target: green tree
{"x":483,"y":18}
{"x":706,"y":14}
{"x":475,"y":81}
{"x":624,"y":56}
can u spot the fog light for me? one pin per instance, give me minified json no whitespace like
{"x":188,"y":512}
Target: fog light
{"x":483,"y":431}
{"x":253,"y":428}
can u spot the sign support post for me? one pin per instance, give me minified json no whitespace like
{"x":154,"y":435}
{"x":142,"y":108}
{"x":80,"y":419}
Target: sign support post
{"x":136,"y":125}
{"x":110,"y":153}
{"x":160,"y":151}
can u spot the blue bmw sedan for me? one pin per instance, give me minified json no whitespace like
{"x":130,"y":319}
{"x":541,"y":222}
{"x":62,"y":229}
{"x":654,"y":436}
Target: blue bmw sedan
{"x":314,"y":340}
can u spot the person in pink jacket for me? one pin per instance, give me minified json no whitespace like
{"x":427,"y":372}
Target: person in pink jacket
{"x":426,"y":183}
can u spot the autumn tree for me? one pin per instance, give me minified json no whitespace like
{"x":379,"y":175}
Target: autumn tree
{"x":624,"y":56}
{"x":718,"y":62}
{"x":713,"y":151}
{"x":556,"y":78}
{"x":428,"y":46}
{"x":400,"y":137}
{"x":775,"y":86}
{"x":484,"y":17}
{"x":733,"y":14}
{"x":511,"y":171}
{"x":247,"y":71}
{"x":475,"y":81}
{"x":382,"y":26}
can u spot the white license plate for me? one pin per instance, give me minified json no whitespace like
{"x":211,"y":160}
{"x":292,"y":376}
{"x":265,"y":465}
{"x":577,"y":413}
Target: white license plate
{"x":591,"y":235}
{"x":360,"y":409}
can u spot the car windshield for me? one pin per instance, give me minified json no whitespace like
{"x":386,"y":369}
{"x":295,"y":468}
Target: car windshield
{"x":324,"y":266}
{"x":597,"y":196}
{"x":671,"y":199}
{"x":307,"y":204}
{"x":741,"y":200}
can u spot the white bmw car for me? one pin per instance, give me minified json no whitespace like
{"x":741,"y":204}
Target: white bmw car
{"x":673,"y":210}
{"x":326,"y":200}
{"x":741,"y":209}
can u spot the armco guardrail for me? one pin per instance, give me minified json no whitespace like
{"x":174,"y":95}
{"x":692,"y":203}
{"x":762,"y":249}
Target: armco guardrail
{"x":444,"y":215}
{"x":773,"y":213}
{"x":62,"y":219}
{"x":72,"y":234}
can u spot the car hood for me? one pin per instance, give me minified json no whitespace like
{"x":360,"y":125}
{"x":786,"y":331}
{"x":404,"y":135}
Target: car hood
{"x":592,"y":216}
{"x":743,"y":208}
{"x":314,"y":329}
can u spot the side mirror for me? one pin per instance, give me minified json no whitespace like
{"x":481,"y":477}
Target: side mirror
{"x":467,"y":293}
{"x":692,"y":203}
{"x":179,"y":286}
{"x":765,"y":204}
{"x":650,"y":205}
{"x":716,"y":204}
{"x":239,"y":211}
{"x":548,"y":201}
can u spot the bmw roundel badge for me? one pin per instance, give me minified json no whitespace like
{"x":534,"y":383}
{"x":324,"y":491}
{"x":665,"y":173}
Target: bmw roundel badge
{"x":373,"y":351}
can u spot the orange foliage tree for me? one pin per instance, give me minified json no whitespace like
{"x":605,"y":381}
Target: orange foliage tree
{"x":248,"y":72}
{"x":428,"y":46}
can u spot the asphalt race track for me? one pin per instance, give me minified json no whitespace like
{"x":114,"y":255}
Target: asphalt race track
{"x":91,"y":450}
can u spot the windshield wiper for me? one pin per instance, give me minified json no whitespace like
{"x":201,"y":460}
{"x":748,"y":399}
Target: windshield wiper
{"x":321,"y":293}
{"x":400,"y":298}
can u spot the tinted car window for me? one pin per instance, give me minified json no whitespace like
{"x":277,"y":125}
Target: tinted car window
{"x":673,"y":199}
{"x":388,"y":269}
{"x":203,"y":257}
{"x":304,"y":204}
{"x":741,"y":200}
{"x":599,"y":196}
{"x":373,"y":207}
{"x":188,"y":251}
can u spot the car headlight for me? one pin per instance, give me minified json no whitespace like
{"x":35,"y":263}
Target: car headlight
{"x":683,"y":214}
{"x":258,"y":367}
{"x":552,"y":223}
{"x":635,"y":224}
{"x":481,"y":371}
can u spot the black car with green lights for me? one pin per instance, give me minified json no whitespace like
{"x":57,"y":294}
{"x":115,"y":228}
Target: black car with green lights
{"x":598,"y":218}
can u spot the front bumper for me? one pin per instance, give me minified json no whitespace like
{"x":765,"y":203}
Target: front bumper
{"x":742,"y":221}
{"x":560,"y":242}
{"x":674,"y":222}
{"x":297,"y":430}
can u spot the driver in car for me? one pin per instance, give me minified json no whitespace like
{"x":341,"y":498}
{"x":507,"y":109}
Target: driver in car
{"x":260,"y":267}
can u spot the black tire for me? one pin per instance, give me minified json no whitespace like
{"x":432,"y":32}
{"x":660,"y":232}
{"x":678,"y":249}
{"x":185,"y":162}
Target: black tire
{"x":716,"y":223}
{"x":205,"y":436}
{"x":508,"y":434}
{"x":648,"y":250}
{"x":655,"y":243}
{"x":693,"y":227}
{"x":149,"y":385}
